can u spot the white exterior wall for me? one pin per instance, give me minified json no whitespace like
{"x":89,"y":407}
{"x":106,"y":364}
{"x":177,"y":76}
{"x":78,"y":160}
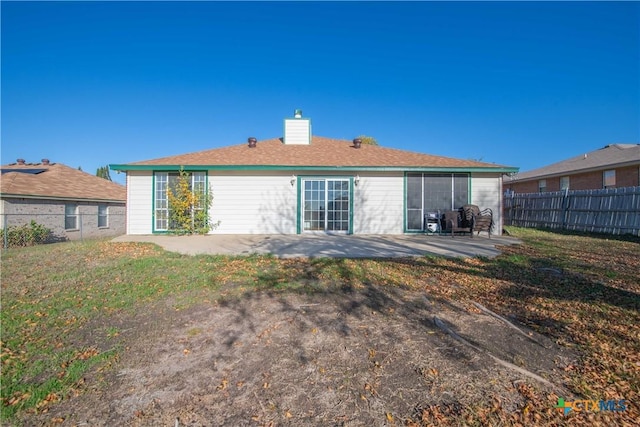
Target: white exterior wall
{"x":486,"y":192}
{"x":139,"y":202}
{"x":253,"y":204}
{"x":378,"y":204}
{"x":267,"y":203}
{"x":297,"y":131}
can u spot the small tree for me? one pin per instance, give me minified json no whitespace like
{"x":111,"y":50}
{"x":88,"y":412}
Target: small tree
{"x":368,"y":140}
{"x":103,"y":172}
{"x":188,"y":207}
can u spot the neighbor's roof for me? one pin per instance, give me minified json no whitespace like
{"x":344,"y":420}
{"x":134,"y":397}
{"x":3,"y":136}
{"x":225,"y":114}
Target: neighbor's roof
{"x":613,"y":155}
{"x":322,"y":153}
{"x":57,"y":181}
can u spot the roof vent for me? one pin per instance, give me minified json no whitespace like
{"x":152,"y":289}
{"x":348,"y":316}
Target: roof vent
{"x":252,"y":142}
{"x":357,"y":142}
{"x":20,"y":161}
{"x":297,"y":130}
{"x":45,"y":161}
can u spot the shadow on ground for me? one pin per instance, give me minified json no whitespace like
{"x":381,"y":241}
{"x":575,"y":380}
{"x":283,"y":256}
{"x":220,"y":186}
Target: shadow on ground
{"x":349,"y":355}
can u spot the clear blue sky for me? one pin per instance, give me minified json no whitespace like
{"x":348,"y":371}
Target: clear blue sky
{"x":513,"y":83}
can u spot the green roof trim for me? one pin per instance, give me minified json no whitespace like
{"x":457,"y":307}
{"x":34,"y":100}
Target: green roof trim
{"x":126,"y":167}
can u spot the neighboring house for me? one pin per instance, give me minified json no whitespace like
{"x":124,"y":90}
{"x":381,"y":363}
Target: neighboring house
{"x":72,"y":203}
{"x":615,"y":165}
{"x":302,"y":183}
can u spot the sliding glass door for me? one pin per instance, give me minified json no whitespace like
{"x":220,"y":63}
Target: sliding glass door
{"x":325,"y":203}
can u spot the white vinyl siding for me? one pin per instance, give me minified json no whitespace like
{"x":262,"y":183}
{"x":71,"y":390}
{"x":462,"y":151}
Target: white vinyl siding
{"x":253,"y":204}
{"x":139,"y":202}
{"x":378,"y":204}
{"x":267,"y":203}
{"x":297,"y":131}
{"x":485,"y":193}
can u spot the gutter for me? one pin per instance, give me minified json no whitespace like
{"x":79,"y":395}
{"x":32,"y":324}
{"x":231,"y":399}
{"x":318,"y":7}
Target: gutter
{"x":127,"y":167}
{"x":58,"y":198}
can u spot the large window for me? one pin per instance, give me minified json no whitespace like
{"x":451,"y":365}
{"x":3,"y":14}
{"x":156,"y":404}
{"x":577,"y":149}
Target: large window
{"x":165,"y":181}
{"x":70,"y":217}
{"x":103,"y":216}
{"x":432,"y":193}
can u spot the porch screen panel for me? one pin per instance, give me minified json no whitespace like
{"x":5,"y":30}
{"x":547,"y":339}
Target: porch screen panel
{"x":438,"y":194}
{"x":460,"y":190}
{"x":414,"y":201}
{"x":433,"y":193}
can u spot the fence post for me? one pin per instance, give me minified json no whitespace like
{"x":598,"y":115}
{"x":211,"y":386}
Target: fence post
{"x":5,"y":243}
{"x":565,"y":208}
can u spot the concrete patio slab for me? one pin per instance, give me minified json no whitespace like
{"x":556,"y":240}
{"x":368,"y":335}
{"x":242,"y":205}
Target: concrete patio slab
{"x":328,"y":245}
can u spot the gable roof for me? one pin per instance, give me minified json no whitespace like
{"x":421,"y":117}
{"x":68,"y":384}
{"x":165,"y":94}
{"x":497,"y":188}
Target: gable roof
{"x":613,"y":155}
{"x":321,"y":153}
{"x":57,"y":181}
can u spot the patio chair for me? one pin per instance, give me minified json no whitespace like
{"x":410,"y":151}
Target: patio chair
{"x":456,"y":222}
{"x":467,"y":219}
{"x":482,"y":220}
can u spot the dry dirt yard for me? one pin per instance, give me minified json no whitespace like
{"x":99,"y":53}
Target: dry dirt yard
{"x":349,"y":357}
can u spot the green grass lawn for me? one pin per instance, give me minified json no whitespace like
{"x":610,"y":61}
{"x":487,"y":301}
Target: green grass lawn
{"x":583,"y":291}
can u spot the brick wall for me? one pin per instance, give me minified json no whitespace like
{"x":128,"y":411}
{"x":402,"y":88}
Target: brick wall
{"x":51,"y":214}
{"x":625,"y":177}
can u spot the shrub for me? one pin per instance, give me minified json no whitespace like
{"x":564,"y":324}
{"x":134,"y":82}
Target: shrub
{"x":25,"y":235}
{"x":188,"y":207}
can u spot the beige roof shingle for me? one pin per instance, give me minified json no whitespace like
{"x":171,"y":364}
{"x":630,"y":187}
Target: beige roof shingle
{"x":57,"y":181}
{"x":322,"y":152}
{"x":612,"y":155}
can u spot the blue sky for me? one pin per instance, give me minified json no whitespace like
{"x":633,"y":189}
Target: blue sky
{"x":520,"y":84}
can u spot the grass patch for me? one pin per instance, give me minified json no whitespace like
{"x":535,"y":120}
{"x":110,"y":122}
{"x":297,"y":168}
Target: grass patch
{"x":582,"y":290}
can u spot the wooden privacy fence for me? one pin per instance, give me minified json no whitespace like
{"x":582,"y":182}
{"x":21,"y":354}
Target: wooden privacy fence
{"x":611,"y":210}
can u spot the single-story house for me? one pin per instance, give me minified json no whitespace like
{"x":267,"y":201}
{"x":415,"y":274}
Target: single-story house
{"x":303,"y":183}
{"x":615,"y":165}
{"x":71,"y":203}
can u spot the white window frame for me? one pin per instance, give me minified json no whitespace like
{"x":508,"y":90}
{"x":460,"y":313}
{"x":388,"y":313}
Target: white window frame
{"x":321,"y":212}
{"x":542,"y":185}
{"x":104,"y":216}
{"x":68,"y":216}
{"x":609,"y":178}
{"x":565,"y":182}
{"x":162,"y":181}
